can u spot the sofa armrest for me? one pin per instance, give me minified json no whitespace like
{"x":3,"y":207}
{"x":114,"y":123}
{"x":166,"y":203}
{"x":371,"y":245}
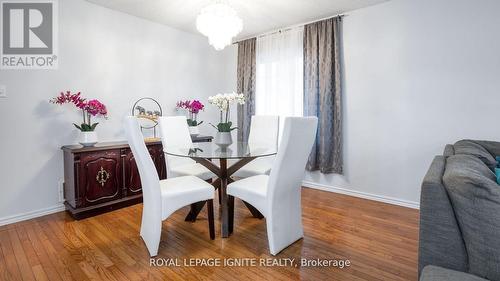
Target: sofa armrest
{"x":449,"y":150}
{"x":436,"y":273}
{"x":440,"y":241}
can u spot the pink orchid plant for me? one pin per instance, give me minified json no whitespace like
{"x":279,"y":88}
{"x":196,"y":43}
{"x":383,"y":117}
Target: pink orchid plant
{"x":193,"y":108}
{"x":90,"y":108}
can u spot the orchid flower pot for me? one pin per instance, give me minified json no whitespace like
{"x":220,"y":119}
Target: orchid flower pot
{"x":194,"y":131}
{"x":87,"y":139}
{"x":223,"y":139}
{"x":90,"y":109}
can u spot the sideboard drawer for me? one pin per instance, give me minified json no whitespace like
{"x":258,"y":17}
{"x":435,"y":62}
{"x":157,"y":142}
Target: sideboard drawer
{"x":159,"y":160}
{"x":132,"y":179}
{"x":99,"y":177}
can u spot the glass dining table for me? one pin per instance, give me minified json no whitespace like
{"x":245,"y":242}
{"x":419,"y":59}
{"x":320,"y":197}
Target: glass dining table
{"x":205,"y":154}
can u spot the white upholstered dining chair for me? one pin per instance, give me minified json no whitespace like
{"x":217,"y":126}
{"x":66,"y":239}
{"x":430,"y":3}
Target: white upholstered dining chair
{"x":264,"y":130}
{"x":162,"y":198}
{"x":175,"y":133}
{"x":277,"y":196}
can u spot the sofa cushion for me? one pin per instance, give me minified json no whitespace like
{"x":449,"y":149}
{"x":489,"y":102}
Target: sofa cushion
{"x":475,"y":197}
{"x":436,"y":273}
{"x":469,"y":147}
{"x":493,"y":147}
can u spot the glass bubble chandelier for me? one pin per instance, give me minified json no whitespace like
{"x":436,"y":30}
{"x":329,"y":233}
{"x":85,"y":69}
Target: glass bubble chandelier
{"x":220,"y":23}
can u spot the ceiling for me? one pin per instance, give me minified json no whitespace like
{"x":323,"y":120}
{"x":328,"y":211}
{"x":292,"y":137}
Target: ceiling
{"x":259,"y":16}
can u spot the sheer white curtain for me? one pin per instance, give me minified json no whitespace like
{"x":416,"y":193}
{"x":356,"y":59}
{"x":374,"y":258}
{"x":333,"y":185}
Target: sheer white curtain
{"x":279,"y":75}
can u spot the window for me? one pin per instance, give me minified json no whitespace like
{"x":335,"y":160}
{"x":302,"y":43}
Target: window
{"x":279,"y":75}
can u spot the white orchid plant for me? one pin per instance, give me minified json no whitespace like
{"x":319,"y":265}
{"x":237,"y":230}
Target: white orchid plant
{"x":223,"y":102}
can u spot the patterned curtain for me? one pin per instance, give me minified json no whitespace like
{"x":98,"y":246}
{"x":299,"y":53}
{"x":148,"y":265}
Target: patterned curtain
{"x":323,"y":92}
{"x":246,"y":85}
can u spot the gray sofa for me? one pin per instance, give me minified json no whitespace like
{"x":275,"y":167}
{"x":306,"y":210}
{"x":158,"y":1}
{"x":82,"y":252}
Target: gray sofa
{"x":460,"y":214}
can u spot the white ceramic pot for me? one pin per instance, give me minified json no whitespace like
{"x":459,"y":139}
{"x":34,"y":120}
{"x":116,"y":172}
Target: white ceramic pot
{"x":88,"y":138}
{"x":223,"y":139}
{"x":194,"y":131}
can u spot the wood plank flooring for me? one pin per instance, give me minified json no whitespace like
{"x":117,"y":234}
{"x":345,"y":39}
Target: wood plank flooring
{"x":379,"y":240}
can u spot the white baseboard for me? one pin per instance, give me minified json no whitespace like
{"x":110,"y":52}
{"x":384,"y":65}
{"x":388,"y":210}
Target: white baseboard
{"x":360,"y":194}
{"x":364,"y":195}
{"x":31,"y":214}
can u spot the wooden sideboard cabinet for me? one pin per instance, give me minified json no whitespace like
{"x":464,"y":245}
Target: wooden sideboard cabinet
{"x":105,"y":177}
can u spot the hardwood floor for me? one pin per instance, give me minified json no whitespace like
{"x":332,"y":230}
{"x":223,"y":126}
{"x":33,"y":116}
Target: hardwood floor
{"x":379,"y":240}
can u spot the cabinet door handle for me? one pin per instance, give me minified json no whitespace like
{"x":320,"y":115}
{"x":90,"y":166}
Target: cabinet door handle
{"x":102,"y":176}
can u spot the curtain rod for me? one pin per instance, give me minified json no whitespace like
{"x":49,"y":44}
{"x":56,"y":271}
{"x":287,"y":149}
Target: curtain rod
{"x":288,"y":28}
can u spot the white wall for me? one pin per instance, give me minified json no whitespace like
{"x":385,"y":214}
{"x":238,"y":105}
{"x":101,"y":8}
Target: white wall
{"x":108,"y":55}
{"x":418,"y":75}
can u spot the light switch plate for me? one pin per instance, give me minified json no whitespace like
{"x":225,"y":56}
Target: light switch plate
{"x":3,"y":91}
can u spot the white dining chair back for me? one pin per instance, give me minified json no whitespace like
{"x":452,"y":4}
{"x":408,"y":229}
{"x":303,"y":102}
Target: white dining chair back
{"x":284,"y":212}
{"x":162,"y":198}
{"x":175,"y":133}
{"x":264,"y":129}
{"x":151,"y":192}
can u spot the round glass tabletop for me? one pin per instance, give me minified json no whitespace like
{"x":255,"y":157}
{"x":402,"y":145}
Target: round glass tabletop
{"x":234,"y":151}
